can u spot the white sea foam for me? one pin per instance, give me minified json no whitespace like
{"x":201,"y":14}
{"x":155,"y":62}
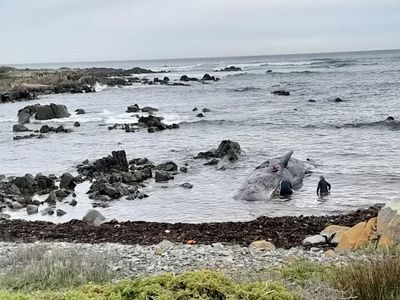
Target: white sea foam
{"x":99,"y":87}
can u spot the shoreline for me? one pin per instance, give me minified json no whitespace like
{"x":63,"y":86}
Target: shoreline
{"x":287,"y":232}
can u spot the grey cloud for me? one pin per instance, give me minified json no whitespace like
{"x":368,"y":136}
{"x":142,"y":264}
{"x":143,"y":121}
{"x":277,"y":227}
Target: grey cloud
{"x":79,"y":30}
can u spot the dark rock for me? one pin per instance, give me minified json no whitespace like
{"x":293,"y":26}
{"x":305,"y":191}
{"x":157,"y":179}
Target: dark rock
{"x":281,"y":93}
{"x":269,"y":71}
{"x":179,"y":84}
{"x":200,"y":115}
{"x":186,"y":78}
{"x":44,"y":129}
{"x":187,"y":185}
{"x":52,"y":197}
{"x":169,"y":166}
{"x":212,"y":162}
{"x":208,"y":77}
{"x":226,"y":149}
{"x":32,"y":209}
{"x":105,"y":188}
{"x":60,"y":212}
{"x":312,"y":100}
{"x":338,"y":100}
{"x":20,"y":128}
{"x":67,"y":181}
{"x":195,"y":109}
{"x":61,"y":194}
{"x":73,"y":202}
{"x":229,"y":149}
{"x":390,"y":118}
{"x":30,"y":136}
{"x":80,"y":111}
{"x":43,"y":112}
{"x":183,"y":169}
{"x":148,"y":109}
{"x":205,"y":110}
{"x":48,"y":211}
{"x":77,"y":124}
{"x":91,"y":215}
{"x":117,"y":161}
{"x":133,"y":108}
{"x":230,"y":69}
{"x":162,"y":176}
{"x":151,"y":129}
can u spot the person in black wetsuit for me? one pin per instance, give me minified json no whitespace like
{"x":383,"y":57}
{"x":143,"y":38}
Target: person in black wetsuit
{"x":323,"y":187}
{"x":286,"y":188}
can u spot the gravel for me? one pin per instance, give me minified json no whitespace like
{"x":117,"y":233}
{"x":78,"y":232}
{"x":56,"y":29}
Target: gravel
{"x":138,"y":260}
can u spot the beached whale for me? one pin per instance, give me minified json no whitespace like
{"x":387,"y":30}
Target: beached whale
{"x":263,"y":183}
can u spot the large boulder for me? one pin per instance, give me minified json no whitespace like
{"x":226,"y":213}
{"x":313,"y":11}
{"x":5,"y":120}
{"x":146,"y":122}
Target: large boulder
{"x":162,"y":176}
{"x":357,"y":236}
{"x":388,"y":224}
{"x":228,"y":149}
{"x":67,"y":181}
{"x":92,"y":215}
{"x":32,"y":209}
{"x":42,"y":112}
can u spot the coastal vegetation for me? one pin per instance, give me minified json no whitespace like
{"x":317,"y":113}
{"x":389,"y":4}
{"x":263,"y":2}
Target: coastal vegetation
{"x":39,"y":273}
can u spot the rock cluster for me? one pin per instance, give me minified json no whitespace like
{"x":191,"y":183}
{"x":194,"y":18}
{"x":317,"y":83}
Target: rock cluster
{"x":151,"y":122}
{"x":230,"y":69}
{"x":227,"y":150}
{"x":114,"y":177}
{"x":383,"y":230}
{"x":42,"y":112}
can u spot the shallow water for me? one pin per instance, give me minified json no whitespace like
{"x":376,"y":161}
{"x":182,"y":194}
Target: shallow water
{"x":359,"y":161}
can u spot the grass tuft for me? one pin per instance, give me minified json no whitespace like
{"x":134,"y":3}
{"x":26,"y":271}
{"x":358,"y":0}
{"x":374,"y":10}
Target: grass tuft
{"x":42,"y":268}
{"x":372,"y":279}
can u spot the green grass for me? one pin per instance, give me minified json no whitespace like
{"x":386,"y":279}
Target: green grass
{"x":201,"y":285}
{"x":372,"y":279}
{"x":40,"y":267}
{"x":302,"y":271}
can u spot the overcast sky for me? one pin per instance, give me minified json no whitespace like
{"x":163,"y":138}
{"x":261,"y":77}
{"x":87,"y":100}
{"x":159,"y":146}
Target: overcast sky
{"x":93,"y":30}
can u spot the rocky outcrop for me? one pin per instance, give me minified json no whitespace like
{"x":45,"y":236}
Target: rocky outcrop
{"x":227,"y":149}
{"x":28,"y":184}
{"x":115,"y":162}
{"x":42,"y":112}
{"x":208,"y":77}
{"x":230,"y":69}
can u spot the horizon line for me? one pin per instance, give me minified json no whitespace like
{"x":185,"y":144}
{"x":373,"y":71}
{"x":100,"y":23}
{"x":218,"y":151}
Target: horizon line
{"x":204,"y":57}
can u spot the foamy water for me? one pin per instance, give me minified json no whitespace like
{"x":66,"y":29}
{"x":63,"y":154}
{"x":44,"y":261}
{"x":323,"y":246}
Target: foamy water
{"x":361,"y":163}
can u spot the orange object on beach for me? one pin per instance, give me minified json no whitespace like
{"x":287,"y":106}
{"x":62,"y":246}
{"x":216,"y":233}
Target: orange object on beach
{"x":191,"y":242}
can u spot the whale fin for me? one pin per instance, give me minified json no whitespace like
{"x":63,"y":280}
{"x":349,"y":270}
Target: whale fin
{"x":285,"y":159}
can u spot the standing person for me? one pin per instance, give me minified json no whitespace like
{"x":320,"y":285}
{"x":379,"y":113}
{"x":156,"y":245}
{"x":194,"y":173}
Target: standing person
{"x":323,"y":187}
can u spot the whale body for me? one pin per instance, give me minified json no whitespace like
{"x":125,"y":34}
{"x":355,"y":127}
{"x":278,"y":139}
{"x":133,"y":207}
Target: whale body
{"x":263,"y":183}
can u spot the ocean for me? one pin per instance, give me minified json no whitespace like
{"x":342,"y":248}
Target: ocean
{"x":350,"y":143}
